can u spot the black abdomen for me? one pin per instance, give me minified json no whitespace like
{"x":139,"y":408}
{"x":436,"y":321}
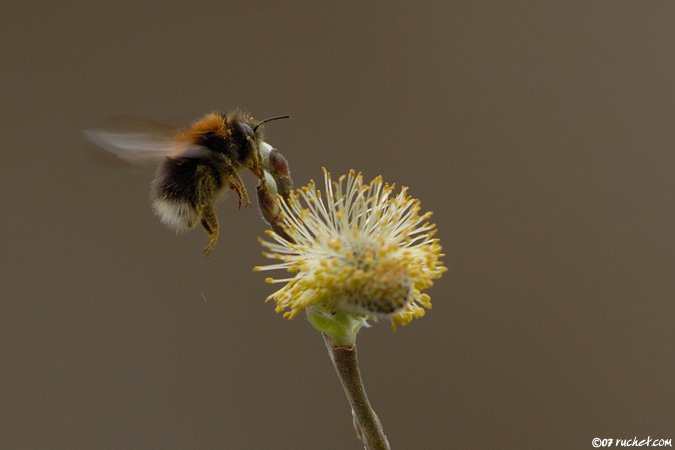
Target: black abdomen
{"x":187,"y":179}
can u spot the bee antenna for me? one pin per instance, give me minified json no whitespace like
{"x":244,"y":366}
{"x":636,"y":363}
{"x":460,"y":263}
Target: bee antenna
{"x":269,"y":119}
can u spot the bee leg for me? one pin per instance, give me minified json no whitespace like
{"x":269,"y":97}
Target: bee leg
{"x":235,"y":183}
{"x":210,"y":224}
{"x":256,"y":165}
{"x":205,"y":193}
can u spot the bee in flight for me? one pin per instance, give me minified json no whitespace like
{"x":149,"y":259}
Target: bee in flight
{"x":196,"y":163}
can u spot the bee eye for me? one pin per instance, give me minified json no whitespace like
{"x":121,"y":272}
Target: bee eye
{"x":246,"y":130}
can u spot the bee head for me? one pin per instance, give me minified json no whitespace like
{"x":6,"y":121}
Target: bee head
{"x":244,"y":141}
{"x":246,"y":136}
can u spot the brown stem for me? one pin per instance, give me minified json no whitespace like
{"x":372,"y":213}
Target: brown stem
{"x":367,"y":425}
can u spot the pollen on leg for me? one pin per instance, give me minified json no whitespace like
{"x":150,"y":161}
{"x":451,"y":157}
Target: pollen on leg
{"x":235,"y":183}
{"x":210,"y":224}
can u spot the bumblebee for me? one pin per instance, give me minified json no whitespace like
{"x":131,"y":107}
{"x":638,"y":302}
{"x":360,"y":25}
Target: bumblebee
{"x":196,"y":163}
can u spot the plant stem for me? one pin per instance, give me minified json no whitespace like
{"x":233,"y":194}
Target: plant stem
{"x":367,"y":425}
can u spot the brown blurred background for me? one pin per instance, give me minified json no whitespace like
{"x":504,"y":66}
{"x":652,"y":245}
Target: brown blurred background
{"x":540,"y":134}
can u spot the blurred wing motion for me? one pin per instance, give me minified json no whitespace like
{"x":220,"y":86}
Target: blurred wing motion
{"x":140,"y":141}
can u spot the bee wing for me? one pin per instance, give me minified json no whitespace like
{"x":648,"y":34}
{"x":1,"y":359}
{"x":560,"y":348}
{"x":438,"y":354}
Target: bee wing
{"x":140,"y":141}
